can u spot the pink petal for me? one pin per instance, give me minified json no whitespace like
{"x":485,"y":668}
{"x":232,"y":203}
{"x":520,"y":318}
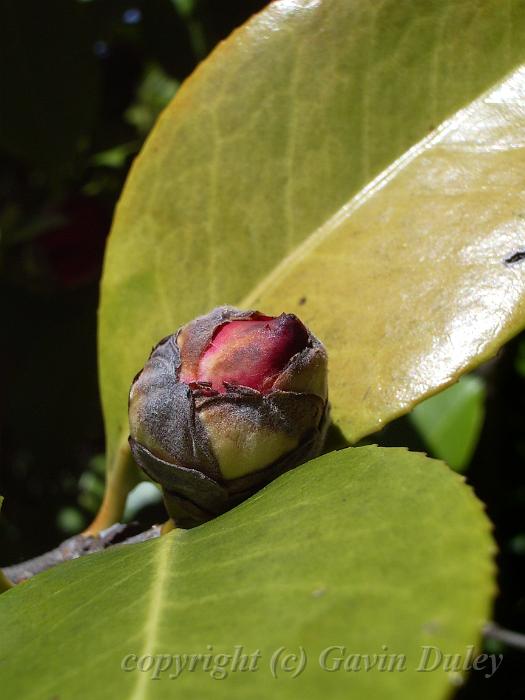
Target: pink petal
{"x":252,"y":353}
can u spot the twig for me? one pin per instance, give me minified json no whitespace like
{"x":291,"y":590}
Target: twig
{"x":79,"y":546}
{"x":500,"y":634}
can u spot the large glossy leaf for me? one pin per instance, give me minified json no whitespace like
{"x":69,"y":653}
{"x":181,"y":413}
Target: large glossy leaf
{"x":426,"y":277}
{"x":272,"y":136}
{"x":375,"y":550}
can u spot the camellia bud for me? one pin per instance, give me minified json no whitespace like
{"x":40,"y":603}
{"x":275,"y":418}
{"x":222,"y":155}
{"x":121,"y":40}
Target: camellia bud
{"x":226,"y":404}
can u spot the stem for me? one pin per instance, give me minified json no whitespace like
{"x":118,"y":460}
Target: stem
{"x":500,"y":634}
{"x":119,"y":483}
{"x":5,"y":583}
{"x":78,"y":546}
{"x":168,"y":526}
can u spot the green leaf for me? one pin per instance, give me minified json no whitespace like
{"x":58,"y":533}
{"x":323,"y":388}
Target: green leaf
{"x":450,"y":422}
{"x":424,"y":277}
{"x":115,"y":157}
{"x":367,"y":548}
{"x":154,"y":92}
{"x":262,"y":154}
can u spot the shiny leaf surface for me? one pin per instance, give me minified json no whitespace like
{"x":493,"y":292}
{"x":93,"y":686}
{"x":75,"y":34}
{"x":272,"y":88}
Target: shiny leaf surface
{"x":424,"y":282}
{"x":261,"y":156}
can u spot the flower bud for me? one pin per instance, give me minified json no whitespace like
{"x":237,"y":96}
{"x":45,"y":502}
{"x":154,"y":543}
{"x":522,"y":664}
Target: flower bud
{"x":226,"y":404}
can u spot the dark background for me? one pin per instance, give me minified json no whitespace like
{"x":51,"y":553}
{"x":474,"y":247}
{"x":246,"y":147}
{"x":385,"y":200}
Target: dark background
{"x":80,"y":86}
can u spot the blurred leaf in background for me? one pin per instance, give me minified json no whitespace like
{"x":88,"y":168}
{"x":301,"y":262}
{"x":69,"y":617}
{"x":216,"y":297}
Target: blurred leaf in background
{"x":155,"y":91}
{"x":519,"y":362}
{"x":450,"y":422}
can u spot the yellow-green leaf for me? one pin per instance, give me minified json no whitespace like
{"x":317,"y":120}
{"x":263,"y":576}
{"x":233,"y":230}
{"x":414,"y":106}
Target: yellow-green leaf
{"x":421,"y":283}
{"x":371,"y":549}
{"x":261,"y":156}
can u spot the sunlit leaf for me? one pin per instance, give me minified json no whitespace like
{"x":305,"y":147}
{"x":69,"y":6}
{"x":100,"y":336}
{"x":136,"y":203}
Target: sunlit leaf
{"x":269,"y":151}
{"x":375,"y":550}
{"x":421,"y":284}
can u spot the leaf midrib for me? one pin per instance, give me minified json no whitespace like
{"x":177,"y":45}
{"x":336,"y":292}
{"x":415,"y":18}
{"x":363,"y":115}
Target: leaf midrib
{"x":160,"y":569}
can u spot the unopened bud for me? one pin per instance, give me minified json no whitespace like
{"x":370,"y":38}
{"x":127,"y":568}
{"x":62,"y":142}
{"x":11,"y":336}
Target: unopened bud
{"x":225,"y":405}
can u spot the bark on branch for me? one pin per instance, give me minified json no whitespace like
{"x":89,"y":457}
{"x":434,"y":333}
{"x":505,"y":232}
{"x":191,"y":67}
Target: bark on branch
{"x":79,"y":546}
